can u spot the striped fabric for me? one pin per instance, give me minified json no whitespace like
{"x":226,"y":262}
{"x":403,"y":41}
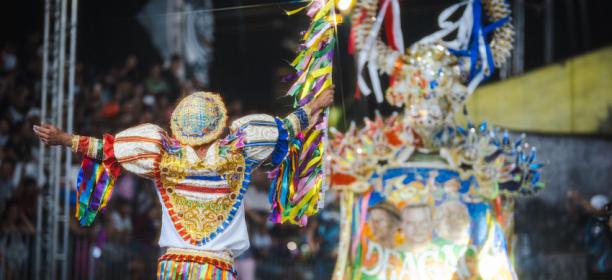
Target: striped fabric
{"x":138,"y":149}
{"x":201,"y":187}
{"x":261,"y":134}
{"x":194,"y":266}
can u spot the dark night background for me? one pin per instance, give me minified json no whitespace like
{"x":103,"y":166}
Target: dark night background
{"x":249,"y":43}
{"x":252,"y":48}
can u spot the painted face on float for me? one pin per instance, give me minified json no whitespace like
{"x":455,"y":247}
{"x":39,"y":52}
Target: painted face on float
{"x":452,"y":186}
{"x":383,"y":225}
{"x":417,"y":224}
{"x":452,"y":221}
{"x":425,"y":114}
{"x":428,"y":85}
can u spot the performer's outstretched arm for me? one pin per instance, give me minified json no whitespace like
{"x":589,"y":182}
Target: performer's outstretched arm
{"x":298,"y":121}
{"x":52,"y":135}
{"x":136,"y":150}
{"x":267,"y":137}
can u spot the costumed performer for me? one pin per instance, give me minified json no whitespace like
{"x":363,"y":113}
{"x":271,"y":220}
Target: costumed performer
{"x":201,"y":179}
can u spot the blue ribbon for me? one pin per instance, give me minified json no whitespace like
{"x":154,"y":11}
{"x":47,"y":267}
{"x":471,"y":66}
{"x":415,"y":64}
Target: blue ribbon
{"x":473,"y":50}
{"x":282,"y":144}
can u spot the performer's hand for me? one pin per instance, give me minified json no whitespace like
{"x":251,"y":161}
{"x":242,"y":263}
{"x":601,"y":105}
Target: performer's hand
{"x":325,"y":99}
{"x":52,"y":135}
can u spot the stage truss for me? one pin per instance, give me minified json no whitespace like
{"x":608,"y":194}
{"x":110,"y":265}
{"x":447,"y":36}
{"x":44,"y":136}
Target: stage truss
{"x":54,"y":164}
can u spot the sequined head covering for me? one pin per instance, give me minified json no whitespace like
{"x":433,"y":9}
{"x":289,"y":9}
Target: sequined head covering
{"x":198,"y":119}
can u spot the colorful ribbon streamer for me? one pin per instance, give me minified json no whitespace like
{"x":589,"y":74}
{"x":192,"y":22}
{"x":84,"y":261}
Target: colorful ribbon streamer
{"x":94,"y":188}
{"x":297,"y":186}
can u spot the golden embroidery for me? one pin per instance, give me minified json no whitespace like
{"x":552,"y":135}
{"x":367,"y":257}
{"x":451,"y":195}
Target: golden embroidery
{"x":200,"y":217}
{"x":75,"y":143}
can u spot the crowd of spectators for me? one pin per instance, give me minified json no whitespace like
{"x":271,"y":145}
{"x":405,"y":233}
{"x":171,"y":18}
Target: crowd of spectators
{"x":122,"y":244}
{"x":18,"y":191}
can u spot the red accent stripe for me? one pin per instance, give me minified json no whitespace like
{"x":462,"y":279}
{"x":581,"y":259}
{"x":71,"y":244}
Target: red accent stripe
{"x":177,"y":223}
{"x":110,"y":160}
{"x":389,"y":27}
{"x":83,"y":144}
{"x":136,"y":157}
{"x":202,"y":189}
{"x":137,"y":139}
{"x":198,"y":259}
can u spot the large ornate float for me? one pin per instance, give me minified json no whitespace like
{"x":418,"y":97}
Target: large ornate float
{"x":423,"y":197}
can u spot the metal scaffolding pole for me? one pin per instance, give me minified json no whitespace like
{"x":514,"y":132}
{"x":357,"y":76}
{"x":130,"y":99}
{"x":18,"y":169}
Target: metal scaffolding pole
{"x":52,"y":223}
{"x":50,"y":162}
{"x":571,"y":24}
{"x":59,"y":122}
{"x":518,"y":58}
{"x":68,"y":183}
{"x":584,"y":24}
{"x":549,"y":31}
{"x":41,"y":147}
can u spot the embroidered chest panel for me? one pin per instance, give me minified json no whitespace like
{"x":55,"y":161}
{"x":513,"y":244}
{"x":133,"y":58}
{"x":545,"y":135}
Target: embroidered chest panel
{"x":202,"y":198}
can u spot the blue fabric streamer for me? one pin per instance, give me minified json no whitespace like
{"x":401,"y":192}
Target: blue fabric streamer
{"x":282,"y":144}
{"x":375,"y":198}
{"x":473,"y":51}
{"x":476,"y":32}
{"x":303,"y":117}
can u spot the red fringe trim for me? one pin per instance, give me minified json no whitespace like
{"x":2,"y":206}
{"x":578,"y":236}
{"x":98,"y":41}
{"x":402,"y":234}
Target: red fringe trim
{"x":198,"y":259}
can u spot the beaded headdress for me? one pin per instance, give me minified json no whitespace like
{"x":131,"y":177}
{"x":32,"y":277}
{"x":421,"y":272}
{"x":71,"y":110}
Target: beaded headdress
{"x":198,"y":119}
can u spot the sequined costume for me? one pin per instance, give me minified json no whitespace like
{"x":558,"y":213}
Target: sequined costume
{"x":203,"y":224}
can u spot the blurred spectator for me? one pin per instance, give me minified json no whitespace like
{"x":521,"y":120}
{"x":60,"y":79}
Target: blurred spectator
{"x":155,"y":83}
{"x":126,"y":187}
{"x":7,"y":168}
{"x":130,"y":69}
{"x":608,"y":213}
{"x":8,"y":59}
{"x":5,"y":126}
{"x":174,"y":76}
{"x":597,"y":235}
{"x":18,"y":106}
{"x":15,"y":231}
{"x":323,"y":232}
{"x":25,"y":197}
{"x":82,"y":238}
{"x":121,"y":221}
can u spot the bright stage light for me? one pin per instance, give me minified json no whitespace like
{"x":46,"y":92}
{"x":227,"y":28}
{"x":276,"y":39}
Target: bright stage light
{"x":96,"y":252}
{"x":291,"y":246}
{"x":344,"y":5}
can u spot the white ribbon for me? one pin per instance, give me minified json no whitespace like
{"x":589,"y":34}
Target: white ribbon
{"x":397,"y":26}
{"x":318,"y":35}
{"x":372,"y":70}
{"x":482,"y":51}
{"x":463,"y":26}
{"x":365,"y":55}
